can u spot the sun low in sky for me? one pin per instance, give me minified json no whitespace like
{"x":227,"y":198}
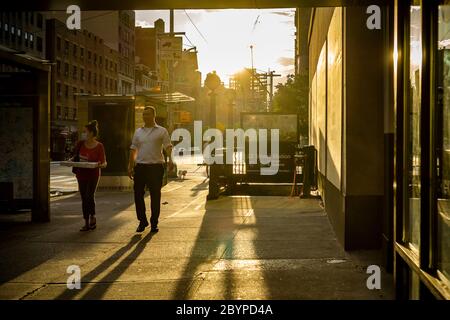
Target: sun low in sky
{"x":223,"y":38}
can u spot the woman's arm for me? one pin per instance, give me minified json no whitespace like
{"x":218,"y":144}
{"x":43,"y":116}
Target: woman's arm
{"x":102,"y":159}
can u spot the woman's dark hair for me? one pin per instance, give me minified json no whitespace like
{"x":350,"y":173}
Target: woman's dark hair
{"x":93,"y":127}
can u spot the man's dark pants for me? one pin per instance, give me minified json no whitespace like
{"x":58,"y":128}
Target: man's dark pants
{"x":150,"y":176}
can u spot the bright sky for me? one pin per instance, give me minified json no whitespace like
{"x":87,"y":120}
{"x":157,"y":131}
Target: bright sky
{"x":224,"y":38}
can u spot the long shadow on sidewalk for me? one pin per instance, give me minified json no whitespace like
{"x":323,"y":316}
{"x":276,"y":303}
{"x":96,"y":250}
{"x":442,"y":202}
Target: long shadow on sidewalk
{"x":26,"y":245}
{"x":222,"y":235}
{"x":100,"y":287}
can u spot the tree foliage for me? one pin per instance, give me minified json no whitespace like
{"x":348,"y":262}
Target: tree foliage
{"x":292,"y":97}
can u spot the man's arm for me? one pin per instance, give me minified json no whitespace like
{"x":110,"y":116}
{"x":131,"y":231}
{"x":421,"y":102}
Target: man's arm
{"x":133,"y":155}
{"x":131,"y":162}
{"x":168,"y":148}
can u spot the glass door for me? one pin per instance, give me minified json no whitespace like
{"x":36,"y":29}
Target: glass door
{"x":413,"y":128}
{"x":443,"y":144}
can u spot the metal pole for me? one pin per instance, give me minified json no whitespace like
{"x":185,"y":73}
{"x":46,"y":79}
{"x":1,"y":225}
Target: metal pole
{"x":171,"y":82}
{"x":212,"y":113}
{"x":252,"y":79}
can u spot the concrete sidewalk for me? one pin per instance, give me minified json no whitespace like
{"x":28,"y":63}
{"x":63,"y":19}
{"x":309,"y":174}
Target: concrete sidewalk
{"x":232,"y":248}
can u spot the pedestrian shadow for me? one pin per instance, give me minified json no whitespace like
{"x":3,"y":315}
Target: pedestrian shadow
{"x":43,"y":242}
{"x":99,"y":288}
{"x":221,"y":246}
{"x":199,"y":187}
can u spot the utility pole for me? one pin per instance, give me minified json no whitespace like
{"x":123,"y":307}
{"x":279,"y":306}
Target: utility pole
{"x":172,"y":27}
{"x":271,"y":75}
{"x":252,"y":77}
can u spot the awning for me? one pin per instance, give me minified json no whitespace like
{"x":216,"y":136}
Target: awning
{"x":168,"y":98}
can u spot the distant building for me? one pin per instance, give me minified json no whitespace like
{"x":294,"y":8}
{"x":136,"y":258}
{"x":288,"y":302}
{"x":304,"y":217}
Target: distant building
{"x":145,"y":78}
{"x":251,"y":90}
{"x":147,"y":44}
{"x":158,"y":51}
{"x":187,"y":76}
{"x":83,"y":65}
{"x":116,"y":28}
{"x":23,"y":32}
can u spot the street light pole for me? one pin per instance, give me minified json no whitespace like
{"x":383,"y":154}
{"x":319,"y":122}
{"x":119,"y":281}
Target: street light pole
{"x":212,"y":111}
{"x":172,"y":27}
{"x":212,"y":82}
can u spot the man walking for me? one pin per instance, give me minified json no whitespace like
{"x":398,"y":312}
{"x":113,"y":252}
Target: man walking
{"x":146,"y":166}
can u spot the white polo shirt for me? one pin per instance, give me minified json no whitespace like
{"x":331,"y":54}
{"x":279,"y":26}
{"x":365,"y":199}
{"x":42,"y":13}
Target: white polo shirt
{"x":149,"y":143}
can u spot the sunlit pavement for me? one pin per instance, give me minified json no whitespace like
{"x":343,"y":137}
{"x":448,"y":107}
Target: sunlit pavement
{"x":231,"y":248}
{"x":62,"y":180}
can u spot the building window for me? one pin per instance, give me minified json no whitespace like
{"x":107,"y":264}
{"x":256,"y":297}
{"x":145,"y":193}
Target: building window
{"x":66,"y":91}
{"x":19,"y":36}
{"x":89,"y":55}
{"x":66,"y":69}
{"x":74,"y":93}
{"x":58,"y":112}
{"x":81,"y":74}
{"x":106,"y":64}
{"x":81,"y":52}
{"x":39,"y":44}
{"x":74,"y":113}
{"x":31,"y":41}
{"x":100,"y":61}
{"x":58,"y":89}
{"x":40,"y":21}
{"x":66,"y":113}
{"x":66,"y":47}
{"x":95,"y":59}
{"x":13,"y":35}
{"x":74,"y":72}
{"x":58,"y":66}
{"x":74,"y":51}
{"x":89,"y":76}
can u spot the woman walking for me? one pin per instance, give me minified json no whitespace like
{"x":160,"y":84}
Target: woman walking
{"x":89,"y":150}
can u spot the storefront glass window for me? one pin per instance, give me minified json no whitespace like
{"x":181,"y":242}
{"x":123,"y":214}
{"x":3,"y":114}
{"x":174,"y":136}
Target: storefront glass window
{"x":414,"y":128}
{"x":443,"y":143}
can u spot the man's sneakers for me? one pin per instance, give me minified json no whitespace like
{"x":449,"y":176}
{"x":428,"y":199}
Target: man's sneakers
{"x":142,"y":226}
{"x":154,"y":230}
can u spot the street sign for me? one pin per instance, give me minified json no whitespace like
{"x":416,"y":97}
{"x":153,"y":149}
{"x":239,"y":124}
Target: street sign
{"x":171,"y":44}
{"x":185,"y":117}
{"x":170,"y":55}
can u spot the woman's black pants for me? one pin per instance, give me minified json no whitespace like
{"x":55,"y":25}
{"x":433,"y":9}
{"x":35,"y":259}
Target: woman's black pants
{"x":87,"y":189}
